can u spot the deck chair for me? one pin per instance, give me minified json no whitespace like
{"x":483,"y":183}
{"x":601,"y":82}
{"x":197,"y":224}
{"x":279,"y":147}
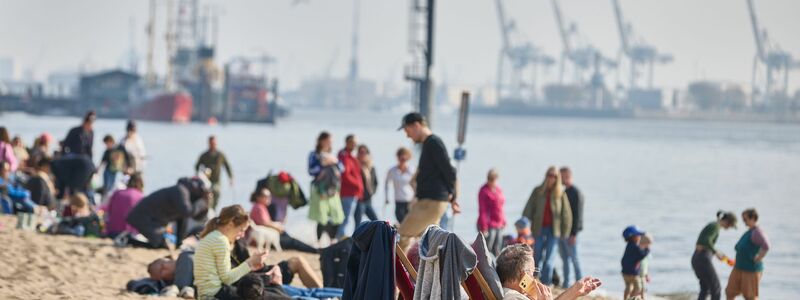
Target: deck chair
{"x":477,"y":288}
{"x":405,"y":274}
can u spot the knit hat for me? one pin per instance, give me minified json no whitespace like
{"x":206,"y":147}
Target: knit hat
{"x":523,"y":222}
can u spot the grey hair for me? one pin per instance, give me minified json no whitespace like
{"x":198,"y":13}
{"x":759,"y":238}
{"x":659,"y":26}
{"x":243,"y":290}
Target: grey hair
{"x":513,"y":262}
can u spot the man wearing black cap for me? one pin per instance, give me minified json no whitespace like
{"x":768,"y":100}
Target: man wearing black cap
{"x":435,"y":181}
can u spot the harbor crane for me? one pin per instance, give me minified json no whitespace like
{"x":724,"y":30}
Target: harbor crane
{"x":420,"y":45}
{"x":583,"y":58}
{"x":518,"y":62}
{"x":638,"y":53}
{"x":776,"y":62}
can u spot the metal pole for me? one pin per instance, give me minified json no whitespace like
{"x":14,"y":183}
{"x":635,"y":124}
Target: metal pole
{"x":425,"y":103}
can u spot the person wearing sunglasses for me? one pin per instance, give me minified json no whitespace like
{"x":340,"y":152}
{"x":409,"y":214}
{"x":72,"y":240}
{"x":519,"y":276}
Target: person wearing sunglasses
{"x":549,"y":210}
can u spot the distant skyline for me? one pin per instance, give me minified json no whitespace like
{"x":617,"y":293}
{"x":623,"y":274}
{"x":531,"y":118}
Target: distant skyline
{"x":710,"y":39}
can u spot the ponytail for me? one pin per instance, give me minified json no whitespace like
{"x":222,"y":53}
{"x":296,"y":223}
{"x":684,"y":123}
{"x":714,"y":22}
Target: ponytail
{"x":727,"y":217}
{"x":228,"y":214}
{"x":211,"y":225}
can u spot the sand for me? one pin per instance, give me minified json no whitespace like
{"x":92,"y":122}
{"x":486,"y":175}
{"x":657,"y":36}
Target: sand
{"x":39,"y":266}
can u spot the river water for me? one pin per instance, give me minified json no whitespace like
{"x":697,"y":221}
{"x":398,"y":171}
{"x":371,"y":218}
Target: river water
{"x":668,"y":177}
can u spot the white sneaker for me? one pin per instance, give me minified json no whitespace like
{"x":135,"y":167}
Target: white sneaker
{"x":187,"y":292}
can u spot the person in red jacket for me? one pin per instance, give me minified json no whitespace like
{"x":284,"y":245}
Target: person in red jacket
{"x":352,"y":186}
{"x":491,"y":219}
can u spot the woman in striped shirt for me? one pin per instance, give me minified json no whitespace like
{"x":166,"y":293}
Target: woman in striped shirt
{"x":213,"y":274}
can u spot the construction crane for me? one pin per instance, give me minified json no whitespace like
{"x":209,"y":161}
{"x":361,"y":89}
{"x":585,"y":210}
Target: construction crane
{"x":518,"y":83}
{"x":776,"y":61}
{"x":637,"y":51}
{"x":581,"y":57}
{"x":420,"y":46}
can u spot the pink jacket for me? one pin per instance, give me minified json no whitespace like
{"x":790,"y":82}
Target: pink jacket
{"x":117,"y":209}
{"x":7,"y":155}
{"x":490,"y":208}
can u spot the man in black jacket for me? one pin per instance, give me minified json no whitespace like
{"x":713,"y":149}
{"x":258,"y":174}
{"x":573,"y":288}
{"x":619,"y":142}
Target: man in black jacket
{"x":569,"y":246}
{"x":435,"y":181}
{"x":81,"y":138}
{"x":187,"y":199}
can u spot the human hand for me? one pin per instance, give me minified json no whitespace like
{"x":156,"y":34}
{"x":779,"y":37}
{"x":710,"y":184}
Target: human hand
{"x":585,"y":286}
{"x":256,"y":261}
{"x":572,"y":240}
{"x":719,"y":255}
{"x":231,"y":181}
{"x":647,"y":278}
{"x":542,"y":292}
{"x":456,"y":208}
{"x":276,"y":277}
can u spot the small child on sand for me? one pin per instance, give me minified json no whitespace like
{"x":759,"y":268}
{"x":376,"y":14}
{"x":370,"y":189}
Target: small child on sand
{"x":635,"y":252}
{"x":644,"y":266}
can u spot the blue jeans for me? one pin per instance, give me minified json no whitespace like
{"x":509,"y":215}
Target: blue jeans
{"x":546,"y":243}
{"x":347,"y":205}
{"x":569,"y":254}
{"x":109,"y":178}
{"x":314,"y":293}
{"x":446,"y":222}
{"x":362,"y":208}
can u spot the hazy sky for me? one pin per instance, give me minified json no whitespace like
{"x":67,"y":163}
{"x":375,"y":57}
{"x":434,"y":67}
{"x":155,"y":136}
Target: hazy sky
{"x":709,"y":39}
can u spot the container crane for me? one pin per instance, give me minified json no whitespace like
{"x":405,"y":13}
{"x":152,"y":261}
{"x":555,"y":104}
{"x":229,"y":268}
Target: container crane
{"x":514,"y":83}
{"x":639,"y":53}
{"x":776,"y":61}
{"x":583,"y":58}
{"x":420,"y":45}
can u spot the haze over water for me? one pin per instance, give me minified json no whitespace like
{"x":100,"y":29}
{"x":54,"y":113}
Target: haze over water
{"x":668,"y":177}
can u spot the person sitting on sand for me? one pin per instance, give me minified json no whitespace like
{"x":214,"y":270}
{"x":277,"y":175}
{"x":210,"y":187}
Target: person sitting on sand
{"x":214,"y":275}
{"x":83,"y":221}
{"x":180,"y":272}
{"x":259,"y":214}
{"x":515,"y":267}
{"x":120,"y":204}
{"x":188,"y":199}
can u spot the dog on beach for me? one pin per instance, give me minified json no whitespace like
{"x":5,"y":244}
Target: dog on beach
{"x":264,"y":237}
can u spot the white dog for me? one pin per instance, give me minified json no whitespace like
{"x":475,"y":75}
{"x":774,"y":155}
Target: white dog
{"x":264,"y":237}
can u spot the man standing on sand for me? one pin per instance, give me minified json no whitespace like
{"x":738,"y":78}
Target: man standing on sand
{"x":569,"y":246}
{"x":80,"y":139}
{"x":436,"y":181}
{"x":214,"y":160}
{"x":352,"y":186}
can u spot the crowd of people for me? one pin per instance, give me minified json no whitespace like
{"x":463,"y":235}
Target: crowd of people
{"x":49,"y":189}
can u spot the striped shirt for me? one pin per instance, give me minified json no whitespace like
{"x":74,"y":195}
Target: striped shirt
{"x":212,"y":265}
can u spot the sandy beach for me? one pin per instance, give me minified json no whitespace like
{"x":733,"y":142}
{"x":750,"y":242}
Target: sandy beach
{"x":39,"y":266}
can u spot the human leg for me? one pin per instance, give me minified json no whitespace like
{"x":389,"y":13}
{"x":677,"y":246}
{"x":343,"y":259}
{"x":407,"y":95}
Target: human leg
{"x":565,"y":253}
{"x":422,"y":214}
{"x":358,"y":214}
{"x":348,"y":203}
{"x":400,"y":211}
{"x":370,"y":211}
{"x":300,"y":266}
{"x":547,"y":260}
{"x":289,"y":243}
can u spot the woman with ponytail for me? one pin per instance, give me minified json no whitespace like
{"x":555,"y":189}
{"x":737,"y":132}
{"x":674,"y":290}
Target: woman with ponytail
{"x":213,"y":274}
{"x":705,"y":250}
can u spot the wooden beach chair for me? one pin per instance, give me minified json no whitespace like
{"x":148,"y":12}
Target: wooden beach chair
{"x":405,"y":274}
{"x":476,"y":286}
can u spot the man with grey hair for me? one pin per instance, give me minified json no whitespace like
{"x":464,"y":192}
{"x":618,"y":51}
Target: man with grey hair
{"x":515,"y":268}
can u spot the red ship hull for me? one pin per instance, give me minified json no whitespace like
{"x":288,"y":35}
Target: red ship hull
{"x":171,"y":107}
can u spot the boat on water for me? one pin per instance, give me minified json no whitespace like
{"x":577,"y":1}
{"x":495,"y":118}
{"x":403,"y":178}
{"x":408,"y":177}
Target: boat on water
{"x":173,"y":107}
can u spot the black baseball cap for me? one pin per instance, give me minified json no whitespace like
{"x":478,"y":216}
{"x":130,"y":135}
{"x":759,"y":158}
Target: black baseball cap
{"x":411,"y":118}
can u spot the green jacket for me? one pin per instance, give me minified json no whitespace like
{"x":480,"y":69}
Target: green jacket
{"x":562,"y":213}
